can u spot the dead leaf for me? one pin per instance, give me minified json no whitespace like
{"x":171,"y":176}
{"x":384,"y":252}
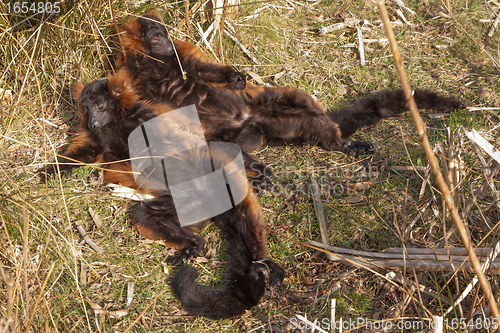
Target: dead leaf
{"x":15,"y":146}
{"x":96,"y":218}
{"x":115,"y":314}
{"x":354,"y":199}
{"x":5,"y":94}
{"x":256,"y":77}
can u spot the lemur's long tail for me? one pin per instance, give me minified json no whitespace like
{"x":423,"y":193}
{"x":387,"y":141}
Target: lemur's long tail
{"x":246,"y":283}
{"x":369,"y":110}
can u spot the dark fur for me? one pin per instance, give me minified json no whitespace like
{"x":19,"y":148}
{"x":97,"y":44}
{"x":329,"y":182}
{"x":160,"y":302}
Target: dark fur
{"x":246,"y":283}
{"x":107,"y":120}
{"x":111,"y":110}
{"x":144,"y":35}
{"x":367,"y":111}
{"x":257,"y":114}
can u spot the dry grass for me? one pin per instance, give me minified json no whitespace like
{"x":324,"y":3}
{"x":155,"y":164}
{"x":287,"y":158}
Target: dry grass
{"x":52,"y":281}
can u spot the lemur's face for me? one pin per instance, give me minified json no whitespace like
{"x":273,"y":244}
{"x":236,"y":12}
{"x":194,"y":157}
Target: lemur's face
{"x":155,"y":36}
{"x":98,"y":104}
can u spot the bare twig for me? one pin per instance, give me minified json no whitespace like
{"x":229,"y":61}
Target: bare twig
{"x":48,"y":123}
{"x":96,"y":218}
{"x":188,"y":24}
{"x":361,"y":47}
{"x":117,"y":32}
{"x":332,"y":27}
{"x":221,"y":30}
{"x":320,"y":212}
{"x":485,"y":285}
{"x":456,"y":251}
{"x":369,"y":265}
{"x":115,"y":314}
{"x":424,"y":262}
{"x":477,"y":108}
{"x":457,"y":254}
{"x":494,"y":25}
{"x":130,"y":293}
{"x":88,"y":240}
{"x":83,"y":272}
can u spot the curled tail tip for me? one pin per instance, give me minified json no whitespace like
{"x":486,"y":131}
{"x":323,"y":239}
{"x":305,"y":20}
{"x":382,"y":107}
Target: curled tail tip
{"x":242,"y":291}
{"x":201,"y":301}
{"x":183,"y":280}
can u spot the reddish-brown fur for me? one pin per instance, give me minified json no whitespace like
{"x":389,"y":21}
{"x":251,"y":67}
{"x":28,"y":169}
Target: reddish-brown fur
{"x":131,"y":38}
{"x":108,"y":145}
{"x":254,"y":115}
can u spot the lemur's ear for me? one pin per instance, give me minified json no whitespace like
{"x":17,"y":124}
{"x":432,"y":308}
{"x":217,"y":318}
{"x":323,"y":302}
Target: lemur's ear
{"x":115,"y":91}
{"x":130,"y":35}
{"x":76,"y":90}
{"x":156,"y":13}
{"x":123,"y":87}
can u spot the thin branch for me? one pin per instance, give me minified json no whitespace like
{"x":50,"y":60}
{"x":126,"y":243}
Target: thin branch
{"x":117,"y":32}
{"x":88,"y":240}
{"x":320,"y":212}
{"x":221,"y":30}
{"x":188,"y":24}
{"x":425,"y":263}
{"x":494,"y":25}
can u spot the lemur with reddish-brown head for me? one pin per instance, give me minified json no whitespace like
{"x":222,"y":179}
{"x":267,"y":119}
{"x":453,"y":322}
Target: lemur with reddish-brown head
{"x":111,"y":110}
{"x":233,"y":110}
